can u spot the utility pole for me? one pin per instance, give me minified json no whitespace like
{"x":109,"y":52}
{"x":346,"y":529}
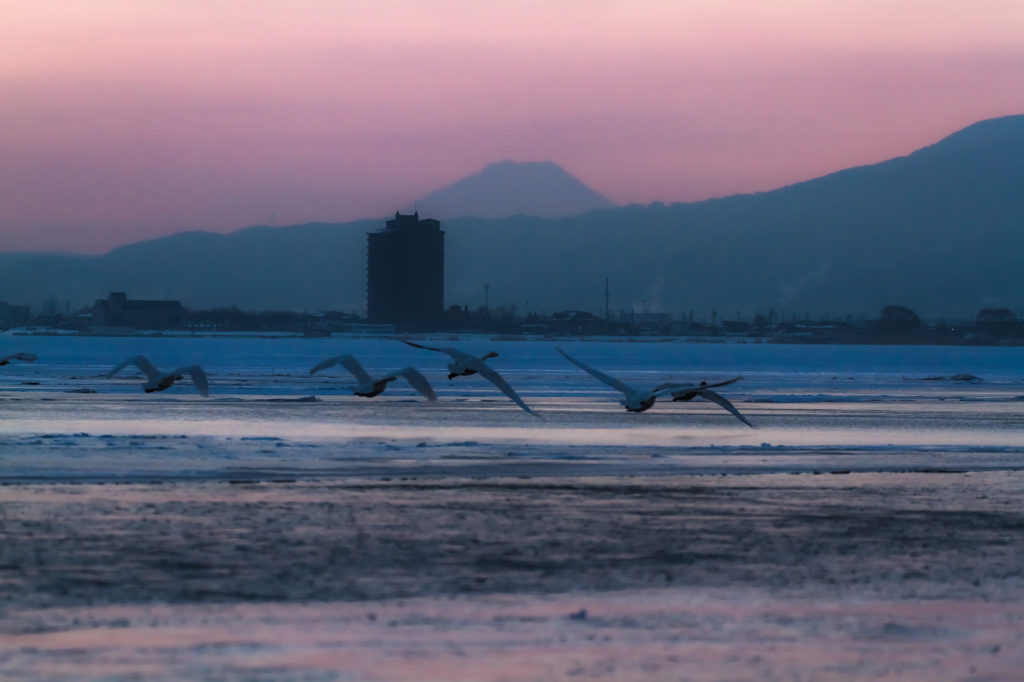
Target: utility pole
{"x":487,"y":298}
{"x":607,"y":310}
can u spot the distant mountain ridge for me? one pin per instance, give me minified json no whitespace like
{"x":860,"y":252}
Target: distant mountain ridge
{"x":940,"y":231}
{"x":510,"y":188}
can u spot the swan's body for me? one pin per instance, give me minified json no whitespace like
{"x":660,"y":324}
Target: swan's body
{"x":639,"y":400}
{"x":161,"y":381}
{"x":464,"y":364}
{"x":370,"y":387}
{"x":467,"y":365}
{"x":24,"y":357}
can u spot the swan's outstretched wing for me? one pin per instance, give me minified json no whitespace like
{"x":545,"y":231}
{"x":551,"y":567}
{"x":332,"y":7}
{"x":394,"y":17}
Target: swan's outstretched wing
{"x":139,"y":361}
{"x":724,"y":383}
{"x":198,"y":378}
{"x":674,"y":389}
{"x":416,"y":345}
{"x":715,"y":398}
{"x":678,"y":388}
{"x":457,"y":355}
{"x":417,"y":381}
{"x":484,"y":370}
{"x":600,"y":376}
{"x":346,"y":361}
{"x":24,"y":357}
{"x":329,"y":362}
{"x":350,"y":363}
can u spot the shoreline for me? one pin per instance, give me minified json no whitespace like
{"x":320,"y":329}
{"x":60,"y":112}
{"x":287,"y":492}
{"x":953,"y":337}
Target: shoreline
{"x":892,"y":535}
{"x":494,"y":336}
{"x":665,"y":634}
{"x":851,"y":577}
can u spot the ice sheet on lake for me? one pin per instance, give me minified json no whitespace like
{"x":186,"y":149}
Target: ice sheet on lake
{"x":817,"y":408}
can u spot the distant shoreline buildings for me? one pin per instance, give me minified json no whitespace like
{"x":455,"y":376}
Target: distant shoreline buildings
{"x":14,"y":315}
{"x":118,"y":311}
{"x":117,"y":315}
{"x":405,"y":294}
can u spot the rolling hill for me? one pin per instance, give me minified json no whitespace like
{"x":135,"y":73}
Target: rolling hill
{"x":940,"y":230}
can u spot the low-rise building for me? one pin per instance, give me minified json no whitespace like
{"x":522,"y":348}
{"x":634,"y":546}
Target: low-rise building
{"x":118,"y":311}
{"x":645,"y":319}
{"x":14,"y":315}
{"x":577,"y":322}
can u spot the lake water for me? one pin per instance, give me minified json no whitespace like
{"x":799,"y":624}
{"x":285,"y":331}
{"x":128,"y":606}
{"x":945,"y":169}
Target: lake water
{"x":284,"y":529}
{"x":840,"y":407}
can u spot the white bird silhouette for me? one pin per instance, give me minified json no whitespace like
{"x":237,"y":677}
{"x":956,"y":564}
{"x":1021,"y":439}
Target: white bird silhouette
{"x":368,"y":386}
{"x":161,"y":381}
{"x":704,"y":391}
{"x":639,"y":401}
{"x":459,"y":369}
{"x":467,"y":365}
{"x":24,"y":357}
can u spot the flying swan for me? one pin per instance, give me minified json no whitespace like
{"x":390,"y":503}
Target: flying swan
{"x":466,"y":365}
{"x":704,"y":391}
{"x":161,"y":381}
{"x":24,"y":357}
{"x":639,"y":401}
{"x":368,"y":386}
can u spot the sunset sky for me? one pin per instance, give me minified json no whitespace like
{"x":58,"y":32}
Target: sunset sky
{"x":125,"y":120}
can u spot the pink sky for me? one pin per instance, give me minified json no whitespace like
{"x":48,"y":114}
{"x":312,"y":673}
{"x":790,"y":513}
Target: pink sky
{"x":122,"y":120}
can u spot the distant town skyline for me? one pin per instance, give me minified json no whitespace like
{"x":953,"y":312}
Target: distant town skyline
{"x":122,"y":121}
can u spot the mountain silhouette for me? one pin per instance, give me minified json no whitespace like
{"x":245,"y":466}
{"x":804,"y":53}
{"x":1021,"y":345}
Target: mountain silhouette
{"x":940,"y":231}
{"x":509,"y":188}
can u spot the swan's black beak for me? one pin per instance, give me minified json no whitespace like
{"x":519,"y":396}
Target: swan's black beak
{"x":452,"y":376}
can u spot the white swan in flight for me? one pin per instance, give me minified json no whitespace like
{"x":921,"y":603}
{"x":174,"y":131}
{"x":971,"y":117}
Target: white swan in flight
{"x":161,"y":381}
{"x":24,"y":357}
{"x":368,"y":386}
{"x":704,"y":391}
{"x":639,"y":401}
{"x":459,"y":369}
{"x":467,"y":365}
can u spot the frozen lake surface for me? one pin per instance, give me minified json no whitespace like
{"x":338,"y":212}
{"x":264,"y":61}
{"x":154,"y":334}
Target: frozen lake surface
{"x":260,"y":534}
{"x":862,"y":408}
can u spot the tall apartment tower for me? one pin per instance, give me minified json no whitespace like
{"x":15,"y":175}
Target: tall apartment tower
{"x":405,"y":274}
